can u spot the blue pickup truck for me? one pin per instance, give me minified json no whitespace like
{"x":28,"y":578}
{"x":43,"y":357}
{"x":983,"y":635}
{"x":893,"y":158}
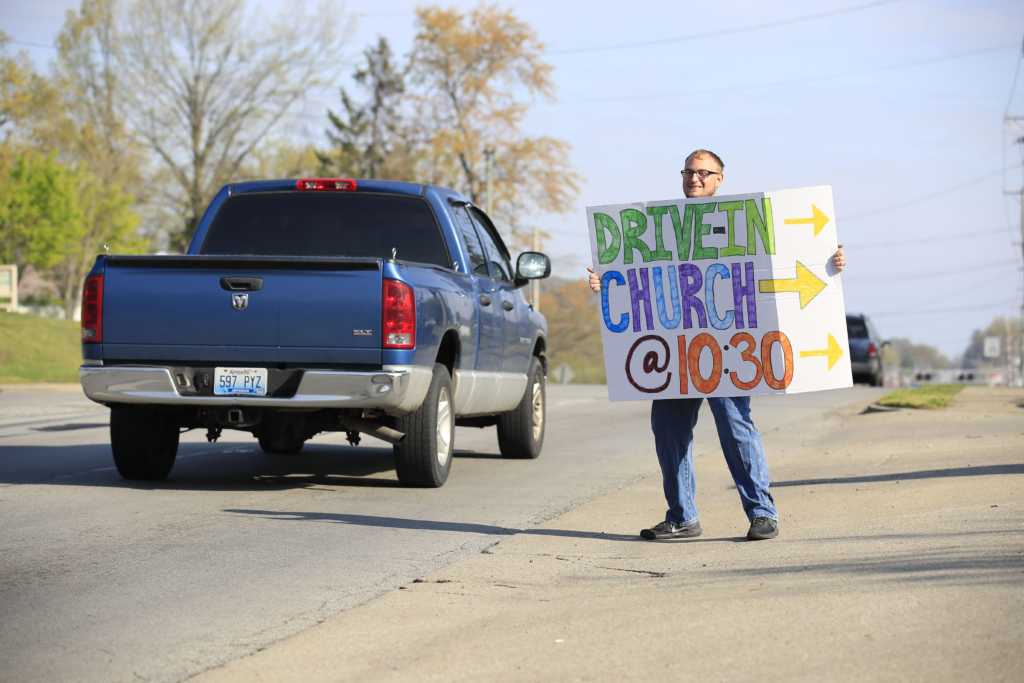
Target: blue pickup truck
{"x":316,"y":305}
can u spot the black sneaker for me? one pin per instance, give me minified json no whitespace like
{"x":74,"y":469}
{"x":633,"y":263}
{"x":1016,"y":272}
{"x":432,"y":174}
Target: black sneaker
{"x":763,"y":528}
{"x":667,"y":530}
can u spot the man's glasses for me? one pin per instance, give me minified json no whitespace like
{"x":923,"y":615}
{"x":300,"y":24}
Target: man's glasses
{"x":701,"y":173}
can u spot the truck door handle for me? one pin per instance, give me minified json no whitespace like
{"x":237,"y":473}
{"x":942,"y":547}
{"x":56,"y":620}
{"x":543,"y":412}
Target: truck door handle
{"x":507,"y":305}
{"x":241,"y":284}
{"x":485,"y":300}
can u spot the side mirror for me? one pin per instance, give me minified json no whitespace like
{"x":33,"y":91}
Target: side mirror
{"x":532,"y":265}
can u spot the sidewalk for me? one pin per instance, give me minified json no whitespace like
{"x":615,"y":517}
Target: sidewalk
{"x":901,"y":557}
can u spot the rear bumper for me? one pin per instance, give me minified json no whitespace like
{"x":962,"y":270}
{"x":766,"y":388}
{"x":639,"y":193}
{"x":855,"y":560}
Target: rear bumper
{"x":867,"y":367}
{"x":394,"y":388}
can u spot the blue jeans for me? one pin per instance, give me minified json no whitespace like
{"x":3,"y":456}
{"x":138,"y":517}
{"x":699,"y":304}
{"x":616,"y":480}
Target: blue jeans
{"x":673,"y":421}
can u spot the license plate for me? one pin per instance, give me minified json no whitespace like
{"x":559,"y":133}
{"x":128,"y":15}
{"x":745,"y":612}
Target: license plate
{"x":240,"y":381}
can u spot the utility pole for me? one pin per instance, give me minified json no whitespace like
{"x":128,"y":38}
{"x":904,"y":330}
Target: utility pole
{"x":1011,"y":122}
{"x":1018,"y":366}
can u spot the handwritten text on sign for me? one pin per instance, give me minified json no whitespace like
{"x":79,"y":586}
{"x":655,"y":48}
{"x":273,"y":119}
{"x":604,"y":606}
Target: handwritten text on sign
{"x":720,"y":296}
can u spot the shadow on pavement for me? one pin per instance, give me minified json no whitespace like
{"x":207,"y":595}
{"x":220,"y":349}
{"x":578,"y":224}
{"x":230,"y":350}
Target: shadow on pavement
{"x":990,"y":564}
{"x":979,"y":471}
{"x":228,"y":466}
{"x":431,"y":525}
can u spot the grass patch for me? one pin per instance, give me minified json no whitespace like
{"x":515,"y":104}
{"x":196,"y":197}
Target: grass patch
{"x":38,"y":349}
{"x":937,"y":396}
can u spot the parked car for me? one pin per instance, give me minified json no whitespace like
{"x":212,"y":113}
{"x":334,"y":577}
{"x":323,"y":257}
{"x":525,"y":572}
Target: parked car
{"x":865,"y":350}
{"x":318,"y":305}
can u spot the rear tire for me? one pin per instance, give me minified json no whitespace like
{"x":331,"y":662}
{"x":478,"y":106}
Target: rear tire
{"x":144,"y":441}
{"x":521,"y":431}
{"x":424,"y":457}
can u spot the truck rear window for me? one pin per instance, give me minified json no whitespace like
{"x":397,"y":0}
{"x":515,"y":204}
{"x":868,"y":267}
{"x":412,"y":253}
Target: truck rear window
{"x":856,"y":328}
{"x":327,"y":224}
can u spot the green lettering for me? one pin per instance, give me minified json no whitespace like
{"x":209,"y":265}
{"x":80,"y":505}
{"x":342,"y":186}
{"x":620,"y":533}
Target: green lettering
{"x":760,"y":223}
{"x":603,"y":223}
{"x":634,"y":224}
{"x":730,"y":209}
{"x":684,"y":229}
{"x":700,"y":252}
{"x":657,"y":214}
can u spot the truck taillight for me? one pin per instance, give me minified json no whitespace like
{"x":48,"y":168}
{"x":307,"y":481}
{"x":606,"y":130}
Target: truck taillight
{"x":398,"y":316}
{"x":872,"y":350}
{"x":325,"y":185}
{"x":92,"y":309}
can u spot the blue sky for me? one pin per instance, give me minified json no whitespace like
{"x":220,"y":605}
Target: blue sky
{"x":898,"y":104}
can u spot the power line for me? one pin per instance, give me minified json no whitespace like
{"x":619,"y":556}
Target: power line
{"x":925,"y":240}
{"x":723,"y":32}
{"x":888,"y":279}
{"x":1013,"y":86}
{"x":952,"y":309}
{"x":806,"y":79}
{"x":28,"y":43}
{"x":930,"y":195}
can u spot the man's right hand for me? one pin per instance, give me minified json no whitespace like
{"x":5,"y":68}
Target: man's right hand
{"x":595,"y":280}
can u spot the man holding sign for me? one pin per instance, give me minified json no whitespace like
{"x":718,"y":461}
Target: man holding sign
{"x":694,"y":295}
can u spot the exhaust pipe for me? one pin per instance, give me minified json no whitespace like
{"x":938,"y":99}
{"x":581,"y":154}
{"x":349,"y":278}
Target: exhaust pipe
{"x":356,"y":424}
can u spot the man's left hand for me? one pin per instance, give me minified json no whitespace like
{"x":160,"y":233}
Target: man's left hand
{"x":839,"y":259}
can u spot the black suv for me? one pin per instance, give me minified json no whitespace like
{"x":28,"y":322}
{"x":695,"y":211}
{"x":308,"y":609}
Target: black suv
{"x":865,"y":350}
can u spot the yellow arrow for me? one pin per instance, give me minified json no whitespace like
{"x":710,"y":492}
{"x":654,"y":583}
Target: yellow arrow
{"x":833,"y":352}
{"x":806,"y":283}
{"x":818,"y":219}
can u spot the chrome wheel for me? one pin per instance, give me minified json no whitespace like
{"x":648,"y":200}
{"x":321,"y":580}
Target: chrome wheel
{"x":444,"y":427}
{"x":538,"y":409}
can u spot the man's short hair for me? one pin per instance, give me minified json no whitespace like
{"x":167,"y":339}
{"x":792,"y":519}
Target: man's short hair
{"x":705,"y":153}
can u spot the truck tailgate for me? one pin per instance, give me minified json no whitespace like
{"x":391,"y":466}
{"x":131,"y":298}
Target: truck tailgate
{"x":247,"y":309}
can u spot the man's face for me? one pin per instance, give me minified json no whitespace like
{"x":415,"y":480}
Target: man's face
{"x":693,"y":184}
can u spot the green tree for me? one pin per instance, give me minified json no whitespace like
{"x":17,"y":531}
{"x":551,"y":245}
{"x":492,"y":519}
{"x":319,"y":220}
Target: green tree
{"x":475,"y":75}
{"x":40,"y":218}
{"x":372,"y":137}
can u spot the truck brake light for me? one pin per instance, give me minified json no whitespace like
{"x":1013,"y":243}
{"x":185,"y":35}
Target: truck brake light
{"x":872,"y":350}
{"x":398,"y":315}
{"x":325,"y":185}
{"x":92,"y":309}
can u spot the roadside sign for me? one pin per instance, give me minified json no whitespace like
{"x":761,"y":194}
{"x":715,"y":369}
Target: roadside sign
{"x":992,"y":347}
{"x":8,"y":288}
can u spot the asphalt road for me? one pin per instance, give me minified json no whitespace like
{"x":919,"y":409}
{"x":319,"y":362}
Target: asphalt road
{"x":102,"y":580}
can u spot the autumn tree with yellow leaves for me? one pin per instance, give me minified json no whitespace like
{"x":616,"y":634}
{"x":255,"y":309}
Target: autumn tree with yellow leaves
{"x":475,"y":75}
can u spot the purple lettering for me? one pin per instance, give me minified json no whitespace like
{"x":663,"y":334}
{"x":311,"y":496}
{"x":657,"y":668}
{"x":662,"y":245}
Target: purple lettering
{"x":638,"y":293}
{"x":746,"y":291}
{"x":691,"y":282}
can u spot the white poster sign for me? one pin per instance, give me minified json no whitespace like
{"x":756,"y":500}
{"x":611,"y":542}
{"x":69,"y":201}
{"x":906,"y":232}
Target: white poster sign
{"x":992,"y":347}
{"x":720,"y":296}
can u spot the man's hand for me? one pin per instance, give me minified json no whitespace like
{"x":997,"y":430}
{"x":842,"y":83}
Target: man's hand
{"x":595,"y":280}
{"x":838,"y":259}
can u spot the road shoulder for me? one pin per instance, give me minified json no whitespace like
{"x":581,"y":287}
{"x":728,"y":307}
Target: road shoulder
{"x":901,"y":557}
